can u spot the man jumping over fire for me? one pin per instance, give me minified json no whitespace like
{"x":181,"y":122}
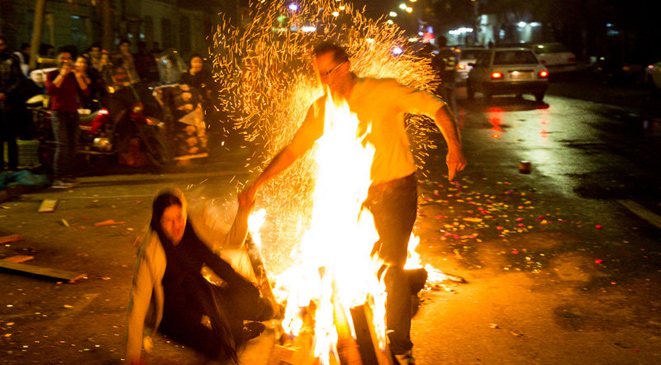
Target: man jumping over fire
{"x":392,"y":196}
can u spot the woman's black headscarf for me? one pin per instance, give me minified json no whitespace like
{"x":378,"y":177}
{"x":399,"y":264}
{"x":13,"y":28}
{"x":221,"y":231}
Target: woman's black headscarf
{"x":164,"y":200}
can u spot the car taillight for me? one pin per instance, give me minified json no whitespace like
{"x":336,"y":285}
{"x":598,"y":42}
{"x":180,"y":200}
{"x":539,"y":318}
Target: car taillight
{"x":103,"y":112}
{"x":543,"y":74}
{"x":461,"y":66}
{"x":496,"y":75}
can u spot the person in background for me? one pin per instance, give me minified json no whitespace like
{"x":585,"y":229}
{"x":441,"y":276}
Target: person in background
{"x":94,"y":56}
{"x":170,"y":295}
{"x":107,"y":72}
{"x":380,"y":105}
{"x":199,"y":78}
{"x":445,"y":64}
{"x":145,"y":64}
{"x":124,"y":71}
{"x":23,"y":56}
{"x":64,"y":85}
{"x":11,"y":78}
{"x":92,"y":78}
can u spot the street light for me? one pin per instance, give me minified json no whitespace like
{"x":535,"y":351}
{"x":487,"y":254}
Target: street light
{"x":403,"y":6}
{"x":393,"y":14}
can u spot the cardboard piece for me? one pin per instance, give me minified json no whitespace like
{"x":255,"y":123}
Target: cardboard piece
{"x":39,"y":271}
{"x":18,"y":258}
{"x":48,"y":206}
{"x":10,"y":238}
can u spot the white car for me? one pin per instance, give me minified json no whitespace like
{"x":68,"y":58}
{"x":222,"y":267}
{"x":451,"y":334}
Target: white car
{"x":502,"y":71}
{"x":466,"y":57}
{"x":556,"y":57}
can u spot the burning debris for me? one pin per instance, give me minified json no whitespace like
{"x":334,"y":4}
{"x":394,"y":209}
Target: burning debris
{"x":332,"y":282}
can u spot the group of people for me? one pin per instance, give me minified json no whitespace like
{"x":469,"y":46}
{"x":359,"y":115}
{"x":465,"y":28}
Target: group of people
{"x":160,"y":300}
{"x":78,"y":82}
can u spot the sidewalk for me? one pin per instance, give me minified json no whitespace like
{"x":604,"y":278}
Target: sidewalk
{"x":28,"y":159}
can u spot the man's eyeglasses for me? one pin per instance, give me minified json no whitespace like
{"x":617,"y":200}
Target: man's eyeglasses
{"x":327,"y":73}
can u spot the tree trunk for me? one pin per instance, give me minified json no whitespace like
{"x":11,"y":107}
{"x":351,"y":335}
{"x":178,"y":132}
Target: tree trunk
{"x":37,"y":29}
{"x":106,"y":25}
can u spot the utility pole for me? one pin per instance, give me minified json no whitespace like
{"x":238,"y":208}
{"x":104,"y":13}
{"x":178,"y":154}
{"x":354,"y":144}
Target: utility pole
{"x":37,"y":29}
{"x":106,"y":25}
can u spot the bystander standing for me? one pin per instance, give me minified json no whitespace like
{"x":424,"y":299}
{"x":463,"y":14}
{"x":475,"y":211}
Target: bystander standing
{"x":23,"y":56}
{"x":63,"y":86}
{"x":10,"y":82}
{"x":145,"y":64}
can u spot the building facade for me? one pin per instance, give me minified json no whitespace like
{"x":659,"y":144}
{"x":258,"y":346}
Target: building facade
{"x":182,"y":25}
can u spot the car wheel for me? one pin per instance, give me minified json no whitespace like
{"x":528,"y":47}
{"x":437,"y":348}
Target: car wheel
{"x":539,"y":97}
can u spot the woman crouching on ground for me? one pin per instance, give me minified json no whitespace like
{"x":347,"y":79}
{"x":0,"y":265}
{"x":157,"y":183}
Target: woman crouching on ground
{"x":170,"y":295}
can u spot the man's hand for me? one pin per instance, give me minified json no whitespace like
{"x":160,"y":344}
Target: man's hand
{"x":65,"y":69}
{"x":456,"y":162}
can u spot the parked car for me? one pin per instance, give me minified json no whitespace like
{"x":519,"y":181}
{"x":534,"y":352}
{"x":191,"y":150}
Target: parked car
{"x":502,"y":71}
{"x":555,"y":57}
{"x":653,"y":76}
{"x":617,"y":69}
{"x":466,"y":57}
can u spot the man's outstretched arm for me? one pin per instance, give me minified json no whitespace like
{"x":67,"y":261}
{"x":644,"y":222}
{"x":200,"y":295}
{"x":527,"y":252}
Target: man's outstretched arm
{"x":455,"y":158}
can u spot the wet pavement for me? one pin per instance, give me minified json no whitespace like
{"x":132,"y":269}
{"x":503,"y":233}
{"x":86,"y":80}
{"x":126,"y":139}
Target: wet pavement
{"x":559,"y":267}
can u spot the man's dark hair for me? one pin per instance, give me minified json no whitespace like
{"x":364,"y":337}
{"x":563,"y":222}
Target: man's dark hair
{"x":95,"y":45}
{"x":124,"y":40}
{"x":70,"y":49}
{"x":163,"y":201}
{"x":339,"y":54}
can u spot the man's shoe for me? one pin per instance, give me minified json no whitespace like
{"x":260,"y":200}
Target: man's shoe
{"x":405,"y":358}
{"x":59,"y":184}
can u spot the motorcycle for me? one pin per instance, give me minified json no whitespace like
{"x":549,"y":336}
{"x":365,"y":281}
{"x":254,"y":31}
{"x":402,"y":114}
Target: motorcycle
{"x":128,"y":126}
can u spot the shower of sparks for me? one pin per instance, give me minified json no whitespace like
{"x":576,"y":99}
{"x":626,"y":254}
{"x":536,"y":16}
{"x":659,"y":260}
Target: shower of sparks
{"x":264,"y":67}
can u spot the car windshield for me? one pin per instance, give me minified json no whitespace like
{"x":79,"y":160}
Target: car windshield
{"x":514,"y":58}
{"x":550,"y":48}
{"x":470,"y":54}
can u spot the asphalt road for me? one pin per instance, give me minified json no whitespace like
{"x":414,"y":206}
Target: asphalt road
{"x":562,"y":264}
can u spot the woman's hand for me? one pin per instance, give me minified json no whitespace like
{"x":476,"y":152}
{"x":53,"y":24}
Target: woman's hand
{"x":247,"y":196}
